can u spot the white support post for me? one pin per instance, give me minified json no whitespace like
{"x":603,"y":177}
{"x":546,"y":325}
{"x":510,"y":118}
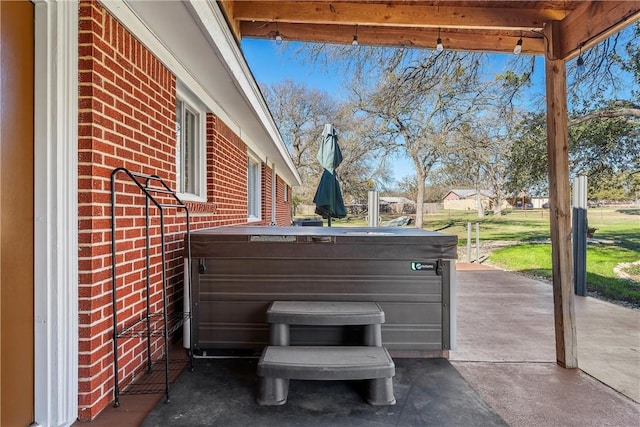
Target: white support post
{"x":469,"y":242}
{"x":56,"y":213}
{"x":477,"y":243}
{"x":373,"y":210}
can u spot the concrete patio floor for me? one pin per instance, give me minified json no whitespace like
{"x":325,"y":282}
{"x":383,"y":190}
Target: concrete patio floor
{"x":503,"y":372}
{"x":506,"y":352}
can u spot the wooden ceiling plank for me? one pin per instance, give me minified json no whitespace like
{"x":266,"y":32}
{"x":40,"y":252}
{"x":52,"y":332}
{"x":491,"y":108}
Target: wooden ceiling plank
{"x":394,"y":14}
{"x":592,"y":22}
{"x":393,"y":36}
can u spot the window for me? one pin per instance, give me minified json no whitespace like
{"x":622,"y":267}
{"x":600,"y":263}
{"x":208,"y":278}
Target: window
{"x":190,"y":148}
{"x":285,"y":196}
{"x":253,"y":190}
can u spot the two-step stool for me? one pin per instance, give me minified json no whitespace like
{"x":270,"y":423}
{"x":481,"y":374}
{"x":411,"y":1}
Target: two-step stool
{"x":281,"y":362}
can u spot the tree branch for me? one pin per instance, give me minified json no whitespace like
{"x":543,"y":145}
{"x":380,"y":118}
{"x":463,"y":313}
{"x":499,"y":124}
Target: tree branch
{"x":606,"y":114}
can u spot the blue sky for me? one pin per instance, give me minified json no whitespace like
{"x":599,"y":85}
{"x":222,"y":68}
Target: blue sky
{"x":271,"y":63}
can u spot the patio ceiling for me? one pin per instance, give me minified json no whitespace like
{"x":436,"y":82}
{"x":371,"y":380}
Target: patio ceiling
{"x":484,"y":25}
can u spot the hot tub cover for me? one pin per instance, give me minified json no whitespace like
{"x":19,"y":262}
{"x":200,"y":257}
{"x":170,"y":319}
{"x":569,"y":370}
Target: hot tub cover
{"x":380,"y":242}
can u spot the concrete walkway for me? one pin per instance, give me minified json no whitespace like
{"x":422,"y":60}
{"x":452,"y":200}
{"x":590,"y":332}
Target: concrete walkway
{"x":609,"y":344}
{"x":506,"y":352}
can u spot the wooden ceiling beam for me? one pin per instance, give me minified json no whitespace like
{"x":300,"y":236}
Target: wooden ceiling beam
{"x":493,"y":41}
{"x":395,"y":14}
{"x":227,"y":7}
{"x":592,"y":22}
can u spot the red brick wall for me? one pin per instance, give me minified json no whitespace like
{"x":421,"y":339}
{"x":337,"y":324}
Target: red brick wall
{"x":127,"y":119}
{"x":226,"y":174}
{"x":283,"y":208}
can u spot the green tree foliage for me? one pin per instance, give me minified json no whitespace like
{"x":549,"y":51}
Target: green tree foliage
{"x":604,"y":123}
{"x":619,"y":186}
{"x":598,"y":148}
{"x":528,"y":159}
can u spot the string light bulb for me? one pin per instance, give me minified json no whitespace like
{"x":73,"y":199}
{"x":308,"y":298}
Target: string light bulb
{"x":580,"y":60}
{"x":355,"y":37}
{"x":518,"y":48}
{"x":439,"y":47}
{"x":278,"y":36}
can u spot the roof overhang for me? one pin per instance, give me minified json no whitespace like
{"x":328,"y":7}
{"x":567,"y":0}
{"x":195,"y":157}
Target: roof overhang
{"x":193,"y":40}
{"x":485,"y":25}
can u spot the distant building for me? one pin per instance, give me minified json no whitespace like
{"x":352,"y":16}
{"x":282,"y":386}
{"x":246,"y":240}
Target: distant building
{"x":466,"y":199}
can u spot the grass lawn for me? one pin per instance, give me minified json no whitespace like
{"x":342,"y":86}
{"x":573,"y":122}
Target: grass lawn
{"x":535,"y":259}
{"x":617,"y":240}
{"x":520,"y":225}
{"x":617,"y":232}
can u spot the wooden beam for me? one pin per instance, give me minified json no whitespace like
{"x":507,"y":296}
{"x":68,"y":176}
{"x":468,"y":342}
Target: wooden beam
{"x":592,"y":22}
{"x":560,"y":210}
{"x":491,"y":41}
{"x":395,"y":14}
{"x":228,"y":7}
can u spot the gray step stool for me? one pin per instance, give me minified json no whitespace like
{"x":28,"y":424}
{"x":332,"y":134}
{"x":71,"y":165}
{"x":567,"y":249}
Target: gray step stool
{"x":279,"y":364}
{"x":282,"y":314}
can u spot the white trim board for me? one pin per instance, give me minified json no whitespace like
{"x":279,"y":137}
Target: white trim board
{"x":56,"y":213}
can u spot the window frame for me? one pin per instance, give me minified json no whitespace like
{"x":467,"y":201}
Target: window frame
{"x":254,"y":189}
{"x":192,"y":105}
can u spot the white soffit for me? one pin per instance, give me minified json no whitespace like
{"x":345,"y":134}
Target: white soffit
{"x":193,"y":40}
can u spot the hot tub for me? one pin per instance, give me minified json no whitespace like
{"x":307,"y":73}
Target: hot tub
{"x":238,"y":271}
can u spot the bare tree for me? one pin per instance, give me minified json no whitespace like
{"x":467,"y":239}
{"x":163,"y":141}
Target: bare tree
{"x":364,"y":160}
{"x":482,"y":153}
{"x":419,"y":106}
{"x":300,"y":113}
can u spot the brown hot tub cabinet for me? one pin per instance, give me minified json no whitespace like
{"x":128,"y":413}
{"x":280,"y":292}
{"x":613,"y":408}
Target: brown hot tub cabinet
{"x":238,"y":271}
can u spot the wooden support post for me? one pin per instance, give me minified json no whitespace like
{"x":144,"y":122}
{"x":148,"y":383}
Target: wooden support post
{"x":559,"y":198}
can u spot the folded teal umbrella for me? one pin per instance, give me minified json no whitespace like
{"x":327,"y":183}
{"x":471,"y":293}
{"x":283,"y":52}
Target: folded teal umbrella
{"x":328,"y":198}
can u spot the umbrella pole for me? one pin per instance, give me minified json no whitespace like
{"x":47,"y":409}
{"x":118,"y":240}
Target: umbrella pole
{"x":329,"y":221}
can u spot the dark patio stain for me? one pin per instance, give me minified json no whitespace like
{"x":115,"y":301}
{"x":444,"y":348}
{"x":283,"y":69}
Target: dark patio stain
{"x":221,"y":392}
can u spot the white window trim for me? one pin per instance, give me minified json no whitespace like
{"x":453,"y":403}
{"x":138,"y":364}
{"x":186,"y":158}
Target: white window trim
{"x":274,"y":194}
{"x":196,"y":106}
{"x":257,"y":188}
